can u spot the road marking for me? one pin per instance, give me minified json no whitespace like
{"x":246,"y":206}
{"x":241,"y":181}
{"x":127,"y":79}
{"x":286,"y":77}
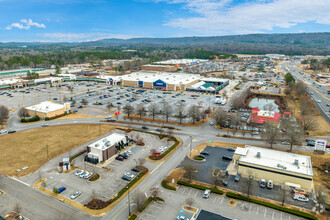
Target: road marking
{"x":20,"y":181}
{"x":157,"y":167}
{"x":281,"y":215}
{"x":47,"y":204}
{"x":120,"y":211}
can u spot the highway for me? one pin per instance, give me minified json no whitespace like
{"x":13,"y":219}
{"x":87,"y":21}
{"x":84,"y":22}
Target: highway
{"x":317,"y":91}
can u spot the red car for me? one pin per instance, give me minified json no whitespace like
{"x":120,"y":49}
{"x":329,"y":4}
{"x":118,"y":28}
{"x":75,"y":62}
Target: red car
{"x":156,"y":152}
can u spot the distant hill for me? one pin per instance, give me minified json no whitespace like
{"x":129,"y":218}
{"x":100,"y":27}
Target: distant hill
{"x":291,"y":44}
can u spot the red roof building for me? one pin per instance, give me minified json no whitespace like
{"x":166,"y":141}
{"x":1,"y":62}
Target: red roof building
{"x":261,"y":116}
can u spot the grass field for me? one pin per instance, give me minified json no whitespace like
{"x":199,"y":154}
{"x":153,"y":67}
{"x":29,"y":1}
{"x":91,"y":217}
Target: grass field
{"x":28,"y":148}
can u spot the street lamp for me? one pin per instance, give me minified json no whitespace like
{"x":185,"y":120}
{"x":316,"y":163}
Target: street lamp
{"x":136,"y":162}
{"x":129,"y":202}
{"x":190,"y":145}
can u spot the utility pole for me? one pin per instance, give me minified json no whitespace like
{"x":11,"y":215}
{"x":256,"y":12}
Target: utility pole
{"x":99,"y":129}
{"x":190,"y":145}
{"x":47,"y":151}
{"x":129,"y":202}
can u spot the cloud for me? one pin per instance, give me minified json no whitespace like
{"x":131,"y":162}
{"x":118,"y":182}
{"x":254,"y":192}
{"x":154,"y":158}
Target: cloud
{"x":25,"y":24}
{"x":71,"y":37}
{"x":211,"y":16}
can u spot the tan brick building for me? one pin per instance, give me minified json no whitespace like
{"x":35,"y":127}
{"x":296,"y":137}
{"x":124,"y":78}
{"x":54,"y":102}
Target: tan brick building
{"x":48,"y":109}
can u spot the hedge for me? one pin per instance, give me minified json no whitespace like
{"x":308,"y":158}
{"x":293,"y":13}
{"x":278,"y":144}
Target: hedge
{"x":198,"y":158}
{"x":164,"y":184}
{"x":273,"y":206}
{"x":132,"y":217}
{"x":196,"y":186}
{"x":33,"y":119}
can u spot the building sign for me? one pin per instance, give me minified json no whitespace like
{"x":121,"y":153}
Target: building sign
{"x":140,"y":83}
{"x":320,"y":144}
{"x":159,"y":83}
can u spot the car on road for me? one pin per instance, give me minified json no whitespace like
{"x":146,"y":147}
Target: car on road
{"x":237,"y":177}
{"x":206,"y":193}
{"x":285,"y":143}
{"x":11,"y":131}
{"x":309,"y":143}
{"x":108,"y":117}
{"x":159,"y":129}
{"x":44,"y":125}
{"x":262,"y":183}
{"x":145,"y":127}
{"x":61,"y":189}
{"x":80,"y":106}
{"x":270,"y":184}
{"x":78,"y":172}
{"x":231,"y":149}
{"x":75,"y":195}
{"x":126,"y":178}
{"x":134,"y":169}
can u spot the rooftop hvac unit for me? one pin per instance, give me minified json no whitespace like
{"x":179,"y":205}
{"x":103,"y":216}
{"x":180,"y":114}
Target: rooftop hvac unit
{"x":296,"y":162}
{"x":258,"y":154}
{"x":104,"y":140}
{"x":96,"y":145}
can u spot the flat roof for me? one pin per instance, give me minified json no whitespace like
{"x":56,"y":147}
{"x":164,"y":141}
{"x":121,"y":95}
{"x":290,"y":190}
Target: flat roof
{"x":108,"y":141}
{"x":206,"y":215}
{"x":46,"y":107}
{"x":278,"y":160}
{"x":213,"y":79}
{"x":182,"y":61}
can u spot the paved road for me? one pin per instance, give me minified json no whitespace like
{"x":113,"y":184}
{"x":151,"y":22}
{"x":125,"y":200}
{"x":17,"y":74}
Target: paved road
{"x":318,"y":92}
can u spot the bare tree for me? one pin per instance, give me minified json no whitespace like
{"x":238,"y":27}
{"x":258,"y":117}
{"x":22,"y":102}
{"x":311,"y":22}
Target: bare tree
{"x":270,"y":134}
{"x":4,"y":113}
{"x":65,"y":99}
{"x":180,"y":112}
{"x":169,"y":133}
{"x":284,"y":195}
{"x":167,"y":111}
{"x":140,"y":110}
{"x":237,"y":102}
{"x":236,"y":121}
{"x":153,"y":110}
{"x":118,"y":109}
{"x":154,"y":192}
{"x":128,"y":109}
{"x":84,"y":102}
{"x":190,"y":202}
{"x":249,"y":185}
{"x":140,"y":200}
{"x":109,"y":106}
{"x":193,"y":113}
{"x":293,"y":136}
{"x":22,"y":112}
{"x":220,"y":117}
{"x":141,"y":161}
{"x":308,"y":123}
{"x":190,"y":172}
{"x":269,"y":107}
{"x":18,"y":208}
{"x":300,"y":88}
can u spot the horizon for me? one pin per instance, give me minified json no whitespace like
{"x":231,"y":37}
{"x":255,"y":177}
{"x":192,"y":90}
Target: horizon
{"x":92,"y":20}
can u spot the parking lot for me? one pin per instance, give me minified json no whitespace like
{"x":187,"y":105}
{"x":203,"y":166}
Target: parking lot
{"x":215,"y":203}
{"x":111,"y":180}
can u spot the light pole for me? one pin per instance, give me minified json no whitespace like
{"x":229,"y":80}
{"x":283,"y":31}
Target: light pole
{"x":136,"y":162}
{"x":129,"y":202}
{"x":190,"y":145}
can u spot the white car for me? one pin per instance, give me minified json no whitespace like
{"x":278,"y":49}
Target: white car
{"x":129,"y":174}
{"x":3,"y":131}
{"x":75,"y":195}
{"x":83,"y":174}
{"x":78,"y":172}
{"x":88,"y":175}
{"x":300,"y":197}
{"x":211,"y":123}
{"x":108,"y":117}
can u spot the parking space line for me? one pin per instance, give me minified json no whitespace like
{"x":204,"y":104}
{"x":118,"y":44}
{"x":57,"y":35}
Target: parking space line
{"x":222,"y":200}
{"x":257,"y":210}
{"x":189,"y":192}
{"x":214,"y":199}
{"x":265,"y":212}
{"x":196,"y":194}
{"x":184,"y":189}
{"x":281,"y":215}
{"x":273,"y":214}
{"x":250,"y":207}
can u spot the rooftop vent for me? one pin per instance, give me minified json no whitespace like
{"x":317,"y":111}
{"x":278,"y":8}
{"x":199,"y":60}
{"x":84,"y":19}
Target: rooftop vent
{"x":258,"y":154}
{"x":296,"y":162}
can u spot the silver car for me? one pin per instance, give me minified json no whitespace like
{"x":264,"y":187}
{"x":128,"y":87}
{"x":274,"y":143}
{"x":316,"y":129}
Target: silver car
{"x":75,"y":195}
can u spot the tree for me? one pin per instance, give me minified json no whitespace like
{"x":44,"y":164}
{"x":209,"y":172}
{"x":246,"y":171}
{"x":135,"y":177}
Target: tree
{"x":118,"y":109}
{"x":236,"y":121}
{"x":284,"y":195}
{"x":65,"y":99}
{"x":140,"y":110}
{"x":289,"y":79}
{"x":18,"y":208}
{"x":22,"y":112}
{"x":109,"y":106}
{"x":43,"y":184}
{"x":128,"y":109}
{"x":180,"y":112}
{"x":270,"y":134}
{"x":300,"y":88}
{"x":308,"y":123}
{"x":141,"y":161}
{"x":4,"y":113}
{"x":220,"y":117}
{"x":190,"y":202}
{"x":190,"y":172}
{"x":154,"y":192}
{"x":153,"y":110}
{"x":169,"y":133}
{"x":249,"y":185}
{"x":58,"y":70}
{"x":293,"y":136}
{"x":238,"y":102}
{"x":140,"y":200}
{"x":84,"y":102}
{"x":193,"y":113}
{"x":269,"y":107}
{"x":167,"y":110}
{"x":55,"y":190}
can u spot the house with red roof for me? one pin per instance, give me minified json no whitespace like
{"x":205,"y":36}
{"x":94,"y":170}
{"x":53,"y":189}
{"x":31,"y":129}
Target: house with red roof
{"x":261,"y":116}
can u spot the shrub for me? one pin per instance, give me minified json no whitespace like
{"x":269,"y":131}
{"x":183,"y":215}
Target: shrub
{"x":164,"y":184}
{"x":198,"y":158}
{"x":196,"y":186}
{"x":47,"y":119}
{"x":55,"y":190}
{"x":33,"y":119}
{"x":273,"y":206}
{"x":132,"y":217}
{"x":95,"y":177}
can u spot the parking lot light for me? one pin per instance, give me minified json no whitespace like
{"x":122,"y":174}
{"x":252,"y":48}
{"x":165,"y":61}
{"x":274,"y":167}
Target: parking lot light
{"x":129,"y":202}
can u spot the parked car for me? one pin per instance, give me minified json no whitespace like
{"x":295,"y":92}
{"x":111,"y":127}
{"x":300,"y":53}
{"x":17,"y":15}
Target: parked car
{"x":120,"y":158}
{"x":225,"y":157}
{"x":309,"y":143}
{"x":126,"y":178}
{"x":75,"y":195}
{"x":134,"y":169}
{"x":206,"y":193}
{"x":205,"y":153}
{"x":129,"y":174}
{"x":270,"y":184}
{"x":80,"y":106}
{"x":231,"y":149}
{"x":82,"y":174}
{"x":300,"y":197}
{"x":61,"y":189}
{"x":262,"y":183}
{"x":211,"y":123}
{"x":78,"y":172}
{"x":89,"y":175}
{"x":225,"y":182}
{"x":285,"y":143}
{"x":237,"y":177}
{"x":255,"y":133}
{"x":201,"y":156}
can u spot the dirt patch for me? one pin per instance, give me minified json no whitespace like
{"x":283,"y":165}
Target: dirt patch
{"x":73,"y":116}
{"x":232,"y":202}
{"x":29,"y":148}
{"x":176,"y":174}
{"x":190,"y":209}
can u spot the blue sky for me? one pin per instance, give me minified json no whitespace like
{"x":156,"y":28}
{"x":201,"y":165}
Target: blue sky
{"x":83,"y":20}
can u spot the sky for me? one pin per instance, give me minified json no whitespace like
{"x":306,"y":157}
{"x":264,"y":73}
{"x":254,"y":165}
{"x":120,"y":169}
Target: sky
{"x":86,"y":20}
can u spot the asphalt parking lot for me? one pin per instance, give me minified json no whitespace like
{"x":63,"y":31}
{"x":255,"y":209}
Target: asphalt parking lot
{"x":111,"y":181}
{"x":215,"y":203}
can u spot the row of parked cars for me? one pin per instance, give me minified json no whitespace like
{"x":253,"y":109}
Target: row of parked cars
{"x":83,"y":174}
{"x":128,"y":176}
{"x":160,"y":150}
{"x":73,"y":196}
{"x":124,"y":155}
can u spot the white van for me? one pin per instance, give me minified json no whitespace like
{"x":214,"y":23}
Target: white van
{"x":270,"y":184}
{"x":206,"y":193}
{"x":300,"y":197}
